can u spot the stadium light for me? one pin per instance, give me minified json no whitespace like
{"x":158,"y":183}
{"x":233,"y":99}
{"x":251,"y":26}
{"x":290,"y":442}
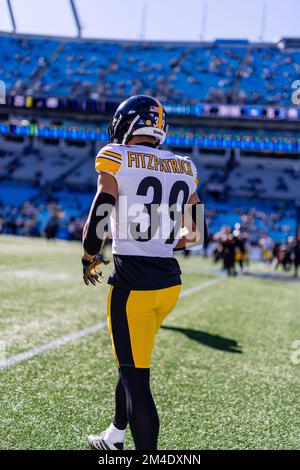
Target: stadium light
{"x":263,"y":23}
{"x":12,"y":16}
{"x":144,"y":20}
{"x":203,"y":21}
{"x":76,"y":17}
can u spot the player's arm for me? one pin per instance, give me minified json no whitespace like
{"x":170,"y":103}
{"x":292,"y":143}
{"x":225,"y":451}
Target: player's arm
{"x":95,"y":227}
{"x":195,"y":224}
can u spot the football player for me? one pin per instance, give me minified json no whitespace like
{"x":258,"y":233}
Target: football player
{"x":143,"y":190}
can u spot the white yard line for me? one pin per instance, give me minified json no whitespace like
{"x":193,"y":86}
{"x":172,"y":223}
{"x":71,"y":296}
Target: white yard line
{"x":53,"y":345}
{"x":85,"y":332}
{"x":199,"y":287}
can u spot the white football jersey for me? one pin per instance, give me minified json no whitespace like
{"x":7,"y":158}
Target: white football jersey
{"x":150,"y":182}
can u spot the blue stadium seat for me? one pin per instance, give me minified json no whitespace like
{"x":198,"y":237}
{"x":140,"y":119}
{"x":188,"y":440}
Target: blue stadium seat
{"x":185,"y":73}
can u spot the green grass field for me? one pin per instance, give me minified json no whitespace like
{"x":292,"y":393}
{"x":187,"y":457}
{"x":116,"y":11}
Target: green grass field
{"x":222,"y":373}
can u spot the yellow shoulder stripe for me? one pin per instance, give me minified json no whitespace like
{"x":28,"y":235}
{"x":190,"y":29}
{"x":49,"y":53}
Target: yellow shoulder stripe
{"x":106,"y":164}
{"x":196,"y":181}
{"x":111,"y":154}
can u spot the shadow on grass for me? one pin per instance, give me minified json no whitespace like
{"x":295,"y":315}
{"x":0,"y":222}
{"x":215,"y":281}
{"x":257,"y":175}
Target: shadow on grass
{"x":274,"y":276}
{"x":213,"y":341}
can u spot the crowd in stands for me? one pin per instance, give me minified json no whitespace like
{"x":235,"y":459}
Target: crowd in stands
{"x":53,"y":219}
{"x":230,"y":244}
{"x":184,"y":73}
{"x":42,"y":173}
{"x":267,"y":75}
{"x":250,"y":178}
{"x":42,"y":165}
{"x":48,"y":220}
{"x":253,"y":221}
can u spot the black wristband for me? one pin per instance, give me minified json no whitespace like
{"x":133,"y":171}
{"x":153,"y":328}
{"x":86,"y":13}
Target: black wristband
{"x":96,"y":225}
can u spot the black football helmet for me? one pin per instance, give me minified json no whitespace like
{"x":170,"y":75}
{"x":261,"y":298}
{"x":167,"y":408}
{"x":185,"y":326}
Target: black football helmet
{"x":139,"y":115}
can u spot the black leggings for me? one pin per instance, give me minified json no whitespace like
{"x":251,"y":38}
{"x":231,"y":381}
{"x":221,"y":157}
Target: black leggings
{"x":135,"y":404}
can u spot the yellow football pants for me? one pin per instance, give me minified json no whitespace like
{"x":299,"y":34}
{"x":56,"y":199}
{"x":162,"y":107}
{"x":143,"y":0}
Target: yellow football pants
{"x":134,"y":317}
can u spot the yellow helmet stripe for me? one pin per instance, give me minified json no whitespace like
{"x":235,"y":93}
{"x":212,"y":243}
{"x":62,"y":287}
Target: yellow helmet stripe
{"x":160,"y":115}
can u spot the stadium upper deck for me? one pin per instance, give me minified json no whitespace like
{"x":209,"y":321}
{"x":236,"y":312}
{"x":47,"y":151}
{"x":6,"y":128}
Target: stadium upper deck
{"x":187,"y":73}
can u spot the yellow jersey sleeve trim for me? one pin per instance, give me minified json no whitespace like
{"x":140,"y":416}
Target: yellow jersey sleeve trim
{"x":106,"y":164}
{"x":111,"y":154}
{"x":196,"y":181}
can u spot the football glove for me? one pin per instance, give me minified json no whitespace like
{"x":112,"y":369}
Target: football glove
{"x":91,"y":272}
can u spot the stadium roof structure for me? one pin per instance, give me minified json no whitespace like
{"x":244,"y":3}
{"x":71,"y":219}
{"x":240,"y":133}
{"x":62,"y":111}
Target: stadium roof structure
{"x":286,"y":43}
{"x":73,"y":8}
{"x":280,"y":42}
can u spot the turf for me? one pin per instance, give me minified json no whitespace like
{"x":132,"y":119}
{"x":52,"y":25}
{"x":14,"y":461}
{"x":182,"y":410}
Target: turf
{"x":222,"y":373}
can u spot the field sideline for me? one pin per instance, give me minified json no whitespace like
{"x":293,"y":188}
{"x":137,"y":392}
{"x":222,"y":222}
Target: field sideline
{"x":222,"y":374}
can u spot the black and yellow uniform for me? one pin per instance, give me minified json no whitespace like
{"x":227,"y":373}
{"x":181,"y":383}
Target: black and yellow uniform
{"x":144,"y":290}
{"x":145,"y":283}
{"x":146,"y":277}
{"x":134,"y":317}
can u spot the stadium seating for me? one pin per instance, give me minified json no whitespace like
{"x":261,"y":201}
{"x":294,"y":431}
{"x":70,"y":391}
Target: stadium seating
{"x":268,"y":75}
{"x":65,"y":174}
{"x":80,"y":73}
{"x":38,"y":163}
{"x":22,"y":59}
{"x":184,"y":73}
{"x":271,"y":179}
{"x":207,"y":73}
{"x":276,"y":219}
{"x":14,"y":194}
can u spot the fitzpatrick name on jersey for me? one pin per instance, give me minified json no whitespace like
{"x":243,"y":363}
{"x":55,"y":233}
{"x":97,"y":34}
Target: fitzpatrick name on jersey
{"x":153,"y":162}
{"x":151,"y":181}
